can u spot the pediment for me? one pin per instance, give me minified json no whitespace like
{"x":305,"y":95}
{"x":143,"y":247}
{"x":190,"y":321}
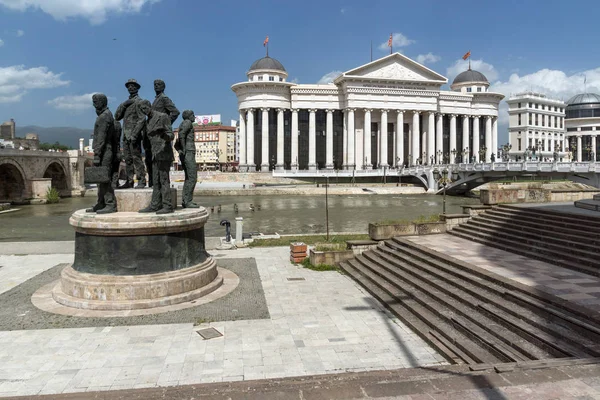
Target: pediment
{"x":396,"y":67}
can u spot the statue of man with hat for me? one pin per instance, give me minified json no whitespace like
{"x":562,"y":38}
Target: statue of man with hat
{"x":133,"y":126}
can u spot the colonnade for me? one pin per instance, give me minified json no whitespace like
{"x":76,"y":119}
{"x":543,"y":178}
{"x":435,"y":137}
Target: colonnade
{"x":426,"y":143}
{"x":583,"y":146}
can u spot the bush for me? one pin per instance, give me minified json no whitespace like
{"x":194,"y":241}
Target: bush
{"x":52,"y":196}
{"x":321,"y":267}
{"x":308,"y":239}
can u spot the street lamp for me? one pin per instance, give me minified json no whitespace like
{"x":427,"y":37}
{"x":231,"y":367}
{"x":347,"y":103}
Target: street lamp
{"x":443,"y":179}
{"x":454,"y":155}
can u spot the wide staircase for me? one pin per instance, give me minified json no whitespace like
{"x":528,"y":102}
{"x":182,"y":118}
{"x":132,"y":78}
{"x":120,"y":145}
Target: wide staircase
{"x":589,"y":204}
{"x":472,"y":316}
{"x":567,"y":240}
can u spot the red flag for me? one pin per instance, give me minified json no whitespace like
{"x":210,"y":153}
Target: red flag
{"x":266,"y":41}
{"x":467,"y":55}
{"x":390,"y":41}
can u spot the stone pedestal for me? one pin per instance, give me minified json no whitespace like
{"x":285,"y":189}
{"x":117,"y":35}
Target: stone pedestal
{"x":128,"y":260}
{"x":133,"y":200}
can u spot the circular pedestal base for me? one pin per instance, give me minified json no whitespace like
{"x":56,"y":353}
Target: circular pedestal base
{"x":131,"y":292}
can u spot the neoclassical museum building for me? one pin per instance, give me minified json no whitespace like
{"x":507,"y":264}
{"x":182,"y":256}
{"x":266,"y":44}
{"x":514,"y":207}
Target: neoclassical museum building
{"x":388,"y":113}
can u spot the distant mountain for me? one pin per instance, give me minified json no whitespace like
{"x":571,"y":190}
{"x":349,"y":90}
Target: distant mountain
{"x":64,"y":135}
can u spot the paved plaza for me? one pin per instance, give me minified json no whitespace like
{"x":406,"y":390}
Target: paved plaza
{"x":562,"y":282}
{"x":320,"y":322}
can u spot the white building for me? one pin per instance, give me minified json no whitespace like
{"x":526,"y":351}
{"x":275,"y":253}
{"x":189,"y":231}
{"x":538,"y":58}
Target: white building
{"x":583,"y":125}
{"x":536,"y":127}
{"x":353,"y":122}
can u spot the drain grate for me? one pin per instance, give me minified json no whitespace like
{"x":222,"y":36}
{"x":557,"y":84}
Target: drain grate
{"x":296,"y":279}
{"x":209,"y":333}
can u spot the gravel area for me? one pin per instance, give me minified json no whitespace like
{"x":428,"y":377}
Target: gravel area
{"x":247,"y":301}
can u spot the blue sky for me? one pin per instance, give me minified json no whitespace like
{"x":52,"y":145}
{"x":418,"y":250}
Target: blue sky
{"x":55,"y":53}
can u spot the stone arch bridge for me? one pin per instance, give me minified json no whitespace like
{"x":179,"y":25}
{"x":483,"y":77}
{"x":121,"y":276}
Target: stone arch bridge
{"x":27,"y":174}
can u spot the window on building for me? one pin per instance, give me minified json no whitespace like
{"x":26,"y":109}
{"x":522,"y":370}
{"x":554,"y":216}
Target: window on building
{"x":555,"y":125}
{"x":530,"y":105}
{"x":519,"y":143}
{"x":479,"y":89}
{"x":260,"y":78}
{"x":469,"y":90}
{"x":271,"y":78}
{"x":519,"y":119}
{"x":536,"y":105}
{"x":561,"y":122}
{"x":280,"y":79}
{"x":529,"y":114}
{"x":543,"y":120}
{"x":536,"y":119}
{"x":518,"y":105}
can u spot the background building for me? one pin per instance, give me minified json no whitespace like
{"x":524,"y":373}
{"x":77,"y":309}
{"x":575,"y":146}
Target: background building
{"x":215,"y":146}
{"x":583,"y":125}
{"x":536,"y":127}
{"x":7,"y":130}
{"x":387,"y":113}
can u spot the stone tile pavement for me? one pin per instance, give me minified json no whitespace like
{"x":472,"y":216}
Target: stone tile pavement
{"x":567,"y":284}
{"x":323,"y":324}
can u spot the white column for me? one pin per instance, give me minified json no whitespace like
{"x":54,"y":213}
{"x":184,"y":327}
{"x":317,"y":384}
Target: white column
{"x":351,"y":133}
{"x":593,"y":159}
{"x":250,"y":141}
{"x":367,"y":141}
{"x":424,"y":128}
{"x":476,"y":138}
{"x":264,"y":162}
{"x":329,"y":140}
{"x":465,"y":139}
{"x":452,"y":139}
{"x":415,"y":150}
{"x":312,"y":140}
{"x":431,"y":138}
{"x":495,"y":136}
{"x":242,"y":142}
{"x":439,"y":138}
{"x":345,"y":140}
{"x":383,"y":140}
{"x":579,"y":152}
{"x":280,"y":139}
{"x":295,"y":138}
{"x":399,"y":162}
{"x":488,"y":138}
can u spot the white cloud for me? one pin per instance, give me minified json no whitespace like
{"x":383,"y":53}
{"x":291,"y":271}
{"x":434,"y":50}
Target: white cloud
{"x":96,"y":11}
{"x":398,"y":40}
{"x":1,"y":42}
{"x":343,"y":10}
{"x":478,"y":65}
{"x":16,"y":81}
{"x":20,"y":32}
{"x":72,"y":103}
{"x":329,"y":77}
{"x":428,"y":58}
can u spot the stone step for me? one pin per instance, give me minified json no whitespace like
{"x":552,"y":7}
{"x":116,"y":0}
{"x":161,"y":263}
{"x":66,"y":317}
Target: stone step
{"x":552,"y":223}
{"x":585,"y":257}
{"x":550,"y":238}
{"x":459,"y":302}
{"x":381,"y":291}
{"x":528,"y":251}
{"x":587,"y":204}
{"x":553,"y":214}
{"x":486,"y":289}
{"x":577,"y":235}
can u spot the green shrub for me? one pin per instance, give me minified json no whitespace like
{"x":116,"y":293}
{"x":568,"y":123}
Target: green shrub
{"x":308,"y":239}
{"x":52,"y":196}
{"x":330,"y":246}
{"x":321,"y":267}
{"x":424,"y":219}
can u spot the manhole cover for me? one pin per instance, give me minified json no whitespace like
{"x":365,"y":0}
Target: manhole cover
{"x":295,"y":279}
{"x":209,"y":333}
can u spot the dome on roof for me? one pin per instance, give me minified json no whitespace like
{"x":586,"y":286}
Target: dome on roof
{"x":470,"y":76}
{"x":584,"y":98}
{"x":267,"y":63}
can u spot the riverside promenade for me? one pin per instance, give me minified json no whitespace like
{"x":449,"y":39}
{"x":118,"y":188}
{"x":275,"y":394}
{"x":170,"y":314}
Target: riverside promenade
{"x":288,"y":333}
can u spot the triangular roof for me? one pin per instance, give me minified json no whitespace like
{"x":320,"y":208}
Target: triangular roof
{"x":394,"y":67}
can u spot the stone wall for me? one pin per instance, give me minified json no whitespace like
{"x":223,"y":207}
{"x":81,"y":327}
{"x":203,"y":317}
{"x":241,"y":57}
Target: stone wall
{"x":532,"y":195}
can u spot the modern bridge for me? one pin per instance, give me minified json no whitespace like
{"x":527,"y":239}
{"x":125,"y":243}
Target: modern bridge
{"x":466,"y":176}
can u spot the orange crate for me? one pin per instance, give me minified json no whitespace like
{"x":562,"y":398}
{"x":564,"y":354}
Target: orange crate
{"x":297,"y":259}
{"x":298,"y":254}
{"x":298,"y":247}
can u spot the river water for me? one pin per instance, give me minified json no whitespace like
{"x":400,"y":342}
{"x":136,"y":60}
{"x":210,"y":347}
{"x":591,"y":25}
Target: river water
{"x":273,"y":213}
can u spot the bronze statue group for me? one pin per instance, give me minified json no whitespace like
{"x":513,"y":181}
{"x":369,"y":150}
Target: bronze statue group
{"x":150,"y":126}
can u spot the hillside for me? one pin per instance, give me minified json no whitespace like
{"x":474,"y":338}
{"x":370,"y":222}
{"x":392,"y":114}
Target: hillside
{"x":64,"y":135}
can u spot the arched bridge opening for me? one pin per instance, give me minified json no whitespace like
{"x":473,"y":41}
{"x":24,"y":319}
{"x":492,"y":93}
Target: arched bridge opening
{"x":56,"y":172}
{"x":12,"y":184}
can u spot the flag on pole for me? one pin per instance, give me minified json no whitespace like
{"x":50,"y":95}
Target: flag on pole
{"x":266,"y":41}
{"x":467,"y":55}
{"x":390,"y":43}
